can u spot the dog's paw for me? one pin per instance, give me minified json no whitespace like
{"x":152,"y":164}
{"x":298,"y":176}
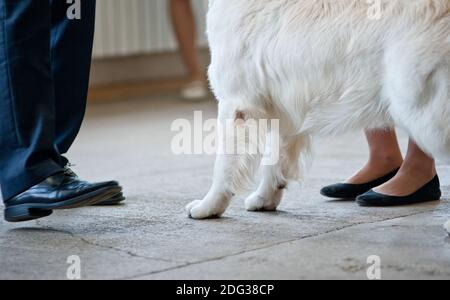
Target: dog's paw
{"x":257,"y":203}
{"x":198,"y":210}
{"x":447,"y":227}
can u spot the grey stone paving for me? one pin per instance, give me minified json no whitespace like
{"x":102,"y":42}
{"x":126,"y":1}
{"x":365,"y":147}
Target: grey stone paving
{"x":150,"y":236}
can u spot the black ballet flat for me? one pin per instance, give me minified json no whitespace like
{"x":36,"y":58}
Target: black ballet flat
{"x":351,"y":191}
{"x":428,"y":193}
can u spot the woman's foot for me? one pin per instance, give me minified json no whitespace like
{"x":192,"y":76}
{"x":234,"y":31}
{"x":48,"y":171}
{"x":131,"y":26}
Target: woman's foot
{"x":408,"y":180}
{"x":195,"y":91}
{"x":376,"y":168}
{"x":429,"y":192}
{"x":349,"y":191}
{"x":417,"y":170}
{"x":384,"y":162}
{"x":385,"y":156}
{"x":415,"y":182}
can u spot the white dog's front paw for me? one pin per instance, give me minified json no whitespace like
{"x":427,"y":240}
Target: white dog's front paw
{"x":257,"y":203}
{"x":447,"y":227}
{"x":199,"y":210}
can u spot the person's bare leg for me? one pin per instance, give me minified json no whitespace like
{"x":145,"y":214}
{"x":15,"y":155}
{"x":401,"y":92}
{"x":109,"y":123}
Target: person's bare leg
{"x":417,"y":170}
{"x":385,"y":156}
{"x":183,"y":22}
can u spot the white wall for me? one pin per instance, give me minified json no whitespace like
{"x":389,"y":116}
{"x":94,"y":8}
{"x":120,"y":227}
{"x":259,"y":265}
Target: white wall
{"x":129,"y":27}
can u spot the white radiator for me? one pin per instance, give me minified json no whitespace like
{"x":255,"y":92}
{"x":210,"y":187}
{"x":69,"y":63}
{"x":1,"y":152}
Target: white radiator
{"x":129,"y":27}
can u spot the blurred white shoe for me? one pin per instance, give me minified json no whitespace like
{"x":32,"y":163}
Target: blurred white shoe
{"x":447,"y":227}
{"x":195,"y":91}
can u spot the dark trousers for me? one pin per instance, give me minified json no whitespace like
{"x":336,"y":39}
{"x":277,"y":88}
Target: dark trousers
{"x":44,"y":73}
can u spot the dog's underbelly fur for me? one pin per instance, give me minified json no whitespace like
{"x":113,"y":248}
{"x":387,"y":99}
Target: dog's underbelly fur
{"x":324,"y":67}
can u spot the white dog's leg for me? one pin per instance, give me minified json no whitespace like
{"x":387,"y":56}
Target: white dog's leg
{"x":232,"y":170}
{"x":447,"y":227}
{"x":277,"y":176}
{"x":269,"y":193}
{"x":213,"y":205}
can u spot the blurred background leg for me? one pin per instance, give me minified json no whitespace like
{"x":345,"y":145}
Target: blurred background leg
{"x":183,"y":22}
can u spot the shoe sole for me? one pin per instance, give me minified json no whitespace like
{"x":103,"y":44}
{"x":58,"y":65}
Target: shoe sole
{"x":394,"y":204}
{"x":343,"y":199}
{"x":116,"y":200}
{"x":33,"y":211}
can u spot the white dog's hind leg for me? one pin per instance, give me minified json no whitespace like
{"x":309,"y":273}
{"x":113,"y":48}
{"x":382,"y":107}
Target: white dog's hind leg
{"x":270,"y":192}
{"x":447,"y":227}
{"x":277,"y":176}
{"x":232,"y":170}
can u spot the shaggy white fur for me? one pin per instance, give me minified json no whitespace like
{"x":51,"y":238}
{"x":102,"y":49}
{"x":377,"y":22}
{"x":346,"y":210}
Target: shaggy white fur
{"x":324,"y":67}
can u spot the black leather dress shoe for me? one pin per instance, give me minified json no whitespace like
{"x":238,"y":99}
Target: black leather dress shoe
{"x":115,"y":200}
{"x":351,"y":191}
{"x":57,"y":192}
{"x":430,"y":192}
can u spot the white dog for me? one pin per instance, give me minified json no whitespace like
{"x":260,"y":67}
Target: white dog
{"x":324,"y":67}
